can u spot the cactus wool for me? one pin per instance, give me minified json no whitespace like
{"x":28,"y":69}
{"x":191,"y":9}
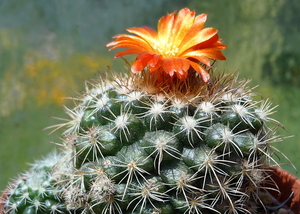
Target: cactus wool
{"x":167,"y":136}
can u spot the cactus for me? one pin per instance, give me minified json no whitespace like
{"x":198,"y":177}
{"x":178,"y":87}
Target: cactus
{"x":169,"y":137}
{"x":34,"y":191}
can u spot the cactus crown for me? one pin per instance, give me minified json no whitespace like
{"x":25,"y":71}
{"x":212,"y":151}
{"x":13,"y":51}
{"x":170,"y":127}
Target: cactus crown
{"x":167,"y":137}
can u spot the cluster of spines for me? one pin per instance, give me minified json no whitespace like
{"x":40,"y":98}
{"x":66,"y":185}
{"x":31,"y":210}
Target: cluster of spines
{"x":34,"y":192}
{"x":205,"y":148}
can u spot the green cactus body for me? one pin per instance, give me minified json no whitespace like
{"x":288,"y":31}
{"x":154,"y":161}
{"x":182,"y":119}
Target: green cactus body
{"x":127,"y":150}
{"x":34,"y":192}
{"x":141,"y":152}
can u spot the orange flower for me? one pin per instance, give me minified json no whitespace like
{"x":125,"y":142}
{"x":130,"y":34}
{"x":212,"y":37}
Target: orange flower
{"x":180,"y":43}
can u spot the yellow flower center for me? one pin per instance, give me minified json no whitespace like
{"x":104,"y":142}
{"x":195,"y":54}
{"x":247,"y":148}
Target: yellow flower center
{"x":166,"y":49}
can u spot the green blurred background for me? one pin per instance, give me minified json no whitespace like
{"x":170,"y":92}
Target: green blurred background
{"x":49,"y":47}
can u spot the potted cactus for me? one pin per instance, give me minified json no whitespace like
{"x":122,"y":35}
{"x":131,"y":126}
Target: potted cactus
{"x":168,"y":135}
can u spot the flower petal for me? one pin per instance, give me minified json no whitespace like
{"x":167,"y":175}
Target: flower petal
{"x":213,"y":42}
{"x":200,"y":37}
{"x":164,"y":28}
{"x":176,"y":65}
{"x":211,"y":53}
{"x":134,"y":41}
{"x":141,"y":62}
{"x":128,"y":52}
{"x":182,"y":23}
{"x":199,"y":22}
{"x":146,"y":33}
{"x":130,"y":46}
{"x":197,"y":26}
{"x":137,"y":66}
{"x":203,"y":59}
{"x":155,"y":60}
{"x":200,"y":70}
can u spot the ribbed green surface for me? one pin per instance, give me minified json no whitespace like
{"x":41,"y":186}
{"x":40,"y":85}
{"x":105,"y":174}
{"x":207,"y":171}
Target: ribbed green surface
{"x":126,"y":150}
{"x":34,"y":192}
{"x":138,"y":152}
